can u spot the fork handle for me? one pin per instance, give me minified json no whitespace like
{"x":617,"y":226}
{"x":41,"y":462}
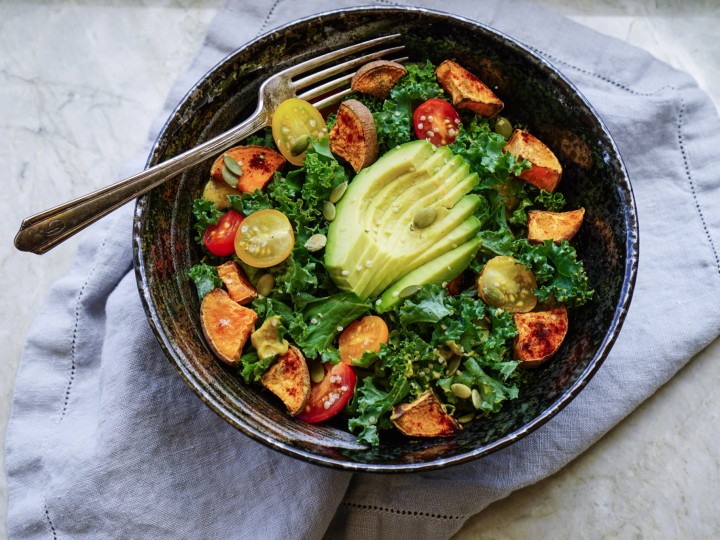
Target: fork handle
{"x":43,"y":231}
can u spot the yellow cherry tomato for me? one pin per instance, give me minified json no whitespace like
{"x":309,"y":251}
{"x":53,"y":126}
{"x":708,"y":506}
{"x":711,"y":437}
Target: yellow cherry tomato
{"x":505,"y":283}
{"x":294,"y":123}
{"x":265,"y":238}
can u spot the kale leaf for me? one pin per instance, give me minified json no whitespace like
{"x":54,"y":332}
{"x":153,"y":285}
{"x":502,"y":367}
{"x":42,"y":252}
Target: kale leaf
{"x":370,"y":408}
{"x":206,"y":214}
{"x":559,"y":274}
{"x":205,"y":277}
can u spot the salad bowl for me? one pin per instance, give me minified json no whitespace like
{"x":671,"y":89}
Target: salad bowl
{"x":536,"y":95}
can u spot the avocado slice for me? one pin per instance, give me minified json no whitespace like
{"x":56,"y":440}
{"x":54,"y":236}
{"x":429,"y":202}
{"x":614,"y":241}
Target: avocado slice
{"x":440,"y":269}
{"x":461,"y":227}
{"x":372,"y":241}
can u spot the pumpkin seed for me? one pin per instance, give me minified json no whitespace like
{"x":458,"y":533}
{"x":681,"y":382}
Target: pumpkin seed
{"x":476,"y":399}
{"x":300,"y":145}
{"x":316,"y":242}
{"x":453,"y":365}
{"x":425,"y":217}
{"x":229,"y":177}
{"x":464,"y":419}
{"x":461,"y":390}
{"x":328,"y":210}
{"x":265,"y":284}
{"x":408,"y":291}
{"x":232,"y":165}
{"x":337,"y":192}
{"x":503,"y":127}
{"x":493,"y":295}
{"x":317,"y":372}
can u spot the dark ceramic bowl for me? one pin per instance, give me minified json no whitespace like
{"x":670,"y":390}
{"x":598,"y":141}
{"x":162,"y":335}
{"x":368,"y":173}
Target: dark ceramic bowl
{"x":535,"y":95}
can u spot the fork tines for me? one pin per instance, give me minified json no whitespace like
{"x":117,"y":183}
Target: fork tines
{"x":319,"y":83}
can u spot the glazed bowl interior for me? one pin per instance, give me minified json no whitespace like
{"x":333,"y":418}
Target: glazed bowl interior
{"x":535,"y":95}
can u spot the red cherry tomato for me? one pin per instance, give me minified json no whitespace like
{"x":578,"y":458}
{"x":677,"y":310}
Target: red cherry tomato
{"x":329,"y":396}
{"x":437,"y":121}
{"x":220,"y":238}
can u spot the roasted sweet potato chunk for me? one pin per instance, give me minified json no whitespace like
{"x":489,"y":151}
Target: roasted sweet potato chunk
{"x":546,"y":170}
{"x":226,"y":325}
{"x":238,"y":286}
{"x":540,"y":334}
{"x":466,"y":90}
{"x":377,"y":78}
{"x":289,"y":379}
{"x":424,"y":417}
{"x":353,"y":137}
{"x":258,"y":165}
{"x":555,"y":226}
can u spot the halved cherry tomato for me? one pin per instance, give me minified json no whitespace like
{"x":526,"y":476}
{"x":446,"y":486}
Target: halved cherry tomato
{"x":366,"y":334}
{"x":294,"y":123}
{"x":265,"y":238}
{"x":329,"y":397}
{"x":507,"y":284}
{"x":219,"y":239}
{"x":437,"y":121}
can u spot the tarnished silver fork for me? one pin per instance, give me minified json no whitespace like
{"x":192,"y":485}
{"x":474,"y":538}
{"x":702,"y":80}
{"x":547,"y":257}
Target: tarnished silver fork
{"x":43,"y":231}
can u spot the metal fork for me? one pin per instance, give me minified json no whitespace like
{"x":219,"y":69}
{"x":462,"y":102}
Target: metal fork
{"x":41,"y":232}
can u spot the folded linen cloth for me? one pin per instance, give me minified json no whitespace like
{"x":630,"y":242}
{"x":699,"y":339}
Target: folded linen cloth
{"x":106,"y":441}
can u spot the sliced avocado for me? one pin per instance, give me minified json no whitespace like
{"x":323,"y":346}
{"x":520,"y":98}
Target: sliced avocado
{"x":440,"y":269}
{"x":430,"y":246}
{"x":372,"y":241}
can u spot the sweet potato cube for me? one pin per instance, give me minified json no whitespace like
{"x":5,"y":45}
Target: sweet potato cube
{"x":289,"y":379}
{"x":546,"y":170}
{"x":424,"y":417}
{"x":540,"y":334}
{"x":226,"y":324}
{"x":353,"y":137}
{"x":466,"y":90}
{"x":258,"y":165}
{"x":238,"y":286}
{"x":555,"y":226}
{"x":377,"y":78}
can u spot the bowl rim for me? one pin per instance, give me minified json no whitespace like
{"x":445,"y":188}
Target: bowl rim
{"x":601,"y":353}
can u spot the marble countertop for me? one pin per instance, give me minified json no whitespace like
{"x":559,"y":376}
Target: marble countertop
{"x":75,"y":106}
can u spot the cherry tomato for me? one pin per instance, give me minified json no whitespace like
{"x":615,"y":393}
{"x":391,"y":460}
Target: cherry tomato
{"x":366,"y":334}
{"x":505,"y":283}
{"x":329,"y":397}
{"x":220,"y":238}
{"x":264,"y":239}
{"x":294,"y":123}
{"x":437,"y":121}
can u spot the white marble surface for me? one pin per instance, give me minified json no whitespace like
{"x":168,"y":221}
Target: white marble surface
{"x":81,"y":82}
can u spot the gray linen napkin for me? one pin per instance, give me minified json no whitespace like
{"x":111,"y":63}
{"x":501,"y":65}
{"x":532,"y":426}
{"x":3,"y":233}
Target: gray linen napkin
{"x":106,"y":441}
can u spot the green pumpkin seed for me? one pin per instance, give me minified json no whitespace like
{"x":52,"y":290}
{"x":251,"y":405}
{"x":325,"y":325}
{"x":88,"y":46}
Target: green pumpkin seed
{"x":461,"y":390}
{"x":300,"y":145}
{"x":328,"y":210}
{"x":425,"y":217}
{"x":453,"y":365}
{"x":408,"y":291}
{"x":493,"y":295}
{"x":503,"y":127}
{"x":316,"y":242}
{"x":265,"y":284}
{"x":337,"y":192}
{"x":317,"y":372}
{"x":476,"y":399}
{"x":229,"y":177}
{"x":232,"y":165}
{"x":464,"y":419}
